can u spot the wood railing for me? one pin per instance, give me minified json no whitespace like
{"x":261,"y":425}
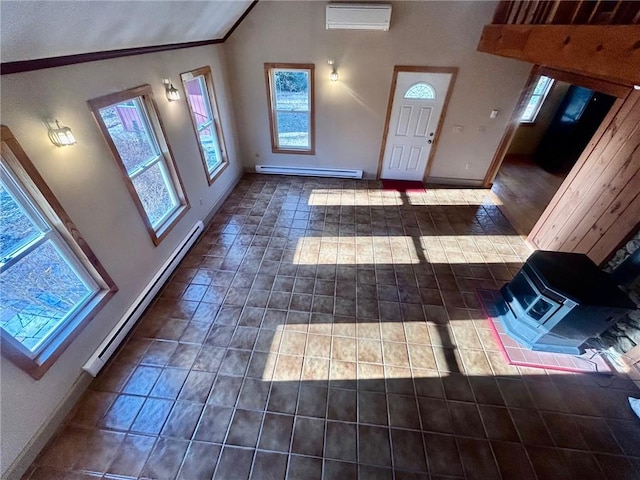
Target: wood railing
{"x":565,"y":12}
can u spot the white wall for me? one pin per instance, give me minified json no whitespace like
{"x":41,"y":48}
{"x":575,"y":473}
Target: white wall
{"x":350,"y":113}
{"x":528,"y":136}
{"x":88,"y":183}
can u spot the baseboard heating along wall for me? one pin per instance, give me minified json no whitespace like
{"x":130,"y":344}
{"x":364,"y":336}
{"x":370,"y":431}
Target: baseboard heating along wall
{"x":129,"y":319}
{"x":309,"y":171}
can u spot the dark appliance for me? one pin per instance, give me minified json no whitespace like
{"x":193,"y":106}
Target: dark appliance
{"x":578,"y":117}
{"x":559,"y":300}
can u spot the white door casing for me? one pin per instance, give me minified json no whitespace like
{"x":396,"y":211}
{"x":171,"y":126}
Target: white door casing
{"x":413,"y":123}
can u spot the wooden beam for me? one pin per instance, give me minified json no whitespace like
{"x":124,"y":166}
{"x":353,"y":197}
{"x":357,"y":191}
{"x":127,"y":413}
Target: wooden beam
{"x":606,"y":51}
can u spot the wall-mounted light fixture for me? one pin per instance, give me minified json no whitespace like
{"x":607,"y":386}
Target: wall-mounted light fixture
{"x":172,"y":92}
{"x":333,"y":76}
{"x":60,"y":136}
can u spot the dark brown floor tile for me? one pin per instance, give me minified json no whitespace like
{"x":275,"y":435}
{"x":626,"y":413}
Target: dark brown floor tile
{"x":304,"y":468}
{"x":269,"y":466}
{"x":122,"y":412}
{"x":101,"y":448}
{"x":408,"y":450}
{"x":548,"y":463}
{"x":456,"y":387}
{"x":235,"y":463}
{"x":200,"y":461}
{"x":142,"y":380}
{"x":627,"y":433}
{"x":132,"y":455}
{"x":276,"y":432}
{"x":531,"y":427}
{"x":312,"y":401}
{"x":515,"y":393}
{"x":466,"y":419}
{"x":169,"y":383}
{"x":435,"y":415}
{"x":165,"y":459}
{"x":152,"y":416}
{"x":235,"y":362}
{"x":92,"y":407}
{"x":403,"y":411}
{"x":341,"y":441}
{"x":308,"y":436}
{"x":209,"y":359}
{"x":225,"y":391}
{"x":442,"y":454}
{"x":598,"y":436}
{"x":477,"y":459}
{"x":373,"y":446}
{"x":341,"y":470}
{"x":283,"y":397}
{"x":582,"y":465}
{"x":513,"y":461}
{"x":564,"y":431}
{"x":244,"y":428}
{"x":372,"y":408}
{"x":342,"y":405}
{"x":617,"y":467}
{"x":498,"y":423}
{"x":213,"y":424}
{"x":182,"y":420}
{"x":197,"y":387}
{"x":486,"y":391}
{"x":253,"y":395}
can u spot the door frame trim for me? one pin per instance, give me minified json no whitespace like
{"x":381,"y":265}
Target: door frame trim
{"x":408,"y":68}
{"x":603,"y":86}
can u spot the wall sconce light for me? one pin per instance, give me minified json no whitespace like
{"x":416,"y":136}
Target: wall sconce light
{"x":333,"y":76}
{"x":60,"y":136}
{"x":172,"y":92}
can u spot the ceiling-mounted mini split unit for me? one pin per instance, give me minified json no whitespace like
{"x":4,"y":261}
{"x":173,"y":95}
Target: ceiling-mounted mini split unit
{"x":358,"y":16}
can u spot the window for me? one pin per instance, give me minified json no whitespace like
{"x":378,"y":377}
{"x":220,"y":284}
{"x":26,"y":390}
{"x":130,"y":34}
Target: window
{"x":291,"y":98}
{"x":542,"y":88}
{"x":198,"y":86}
{"x":51,"y":283}
{"x":421,"y":91}
{"x":132,"y":129}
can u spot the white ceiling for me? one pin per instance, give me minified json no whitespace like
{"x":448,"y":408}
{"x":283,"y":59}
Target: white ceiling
{"x":47,"y":28}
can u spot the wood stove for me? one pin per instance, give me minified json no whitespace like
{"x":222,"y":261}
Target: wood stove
{"x":559,"y":300}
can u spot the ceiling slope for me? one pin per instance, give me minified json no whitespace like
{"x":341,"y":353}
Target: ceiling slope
{"x":38,"y":29}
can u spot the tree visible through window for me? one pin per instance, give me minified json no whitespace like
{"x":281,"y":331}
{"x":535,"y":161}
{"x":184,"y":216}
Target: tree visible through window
{"x":47,"y":290}
{"x":542,"y":88}
{"x":132,"y":128}
{"x":291,"y":104}
{"x":198,"y":85}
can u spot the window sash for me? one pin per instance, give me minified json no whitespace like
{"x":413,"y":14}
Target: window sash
{"x":48,"y":234}
{"x":304,"y":109}
{"x":538,"y":99}
{"x":205,"y":118}
{"x":141,"y":99}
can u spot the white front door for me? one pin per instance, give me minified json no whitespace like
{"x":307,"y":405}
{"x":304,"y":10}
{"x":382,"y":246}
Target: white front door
{"x":415,"y":114}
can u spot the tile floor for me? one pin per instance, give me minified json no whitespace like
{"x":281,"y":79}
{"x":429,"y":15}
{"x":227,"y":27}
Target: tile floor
{"x":330,"y":329}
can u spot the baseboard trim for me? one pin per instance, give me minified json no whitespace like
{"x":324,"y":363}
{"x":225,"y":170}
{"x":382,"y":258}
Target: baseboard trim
{"x":458,"y":182}
{"x":45,"y":433}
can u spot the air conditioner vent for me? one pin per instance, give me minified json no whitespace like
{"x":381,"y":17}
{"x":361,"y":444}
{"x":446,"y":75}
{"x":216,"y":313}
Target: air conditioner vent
{"x":358,"y":16}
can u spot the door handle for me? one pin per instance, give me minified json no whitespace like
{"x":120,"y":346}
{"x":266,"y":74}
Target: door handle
{"x":429,"y":142}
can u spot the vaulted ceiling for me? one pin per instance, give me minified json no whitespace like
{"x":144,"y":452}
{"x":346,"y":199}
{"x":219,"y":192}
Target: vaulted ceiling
{"x":40,"y":29}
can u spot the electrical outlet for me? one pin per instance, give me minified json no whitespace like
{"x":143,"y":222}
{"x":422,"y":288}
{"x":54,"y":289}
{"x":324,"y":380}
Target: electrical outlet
{"x":467,"y":166}
{"x":201,"y":202}
{"x":457,"y":129}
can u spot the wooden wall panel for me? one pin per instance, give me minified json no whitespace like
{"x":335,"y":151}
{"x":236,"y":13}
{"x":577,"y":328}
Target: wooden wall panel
{"x":598,"y":205}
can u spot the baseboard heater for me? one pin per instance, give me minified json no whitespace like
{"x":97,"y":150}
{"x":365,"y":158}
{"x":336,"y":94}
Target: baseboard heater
{"x":129,"y":319}
{"x":309,"y":171}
